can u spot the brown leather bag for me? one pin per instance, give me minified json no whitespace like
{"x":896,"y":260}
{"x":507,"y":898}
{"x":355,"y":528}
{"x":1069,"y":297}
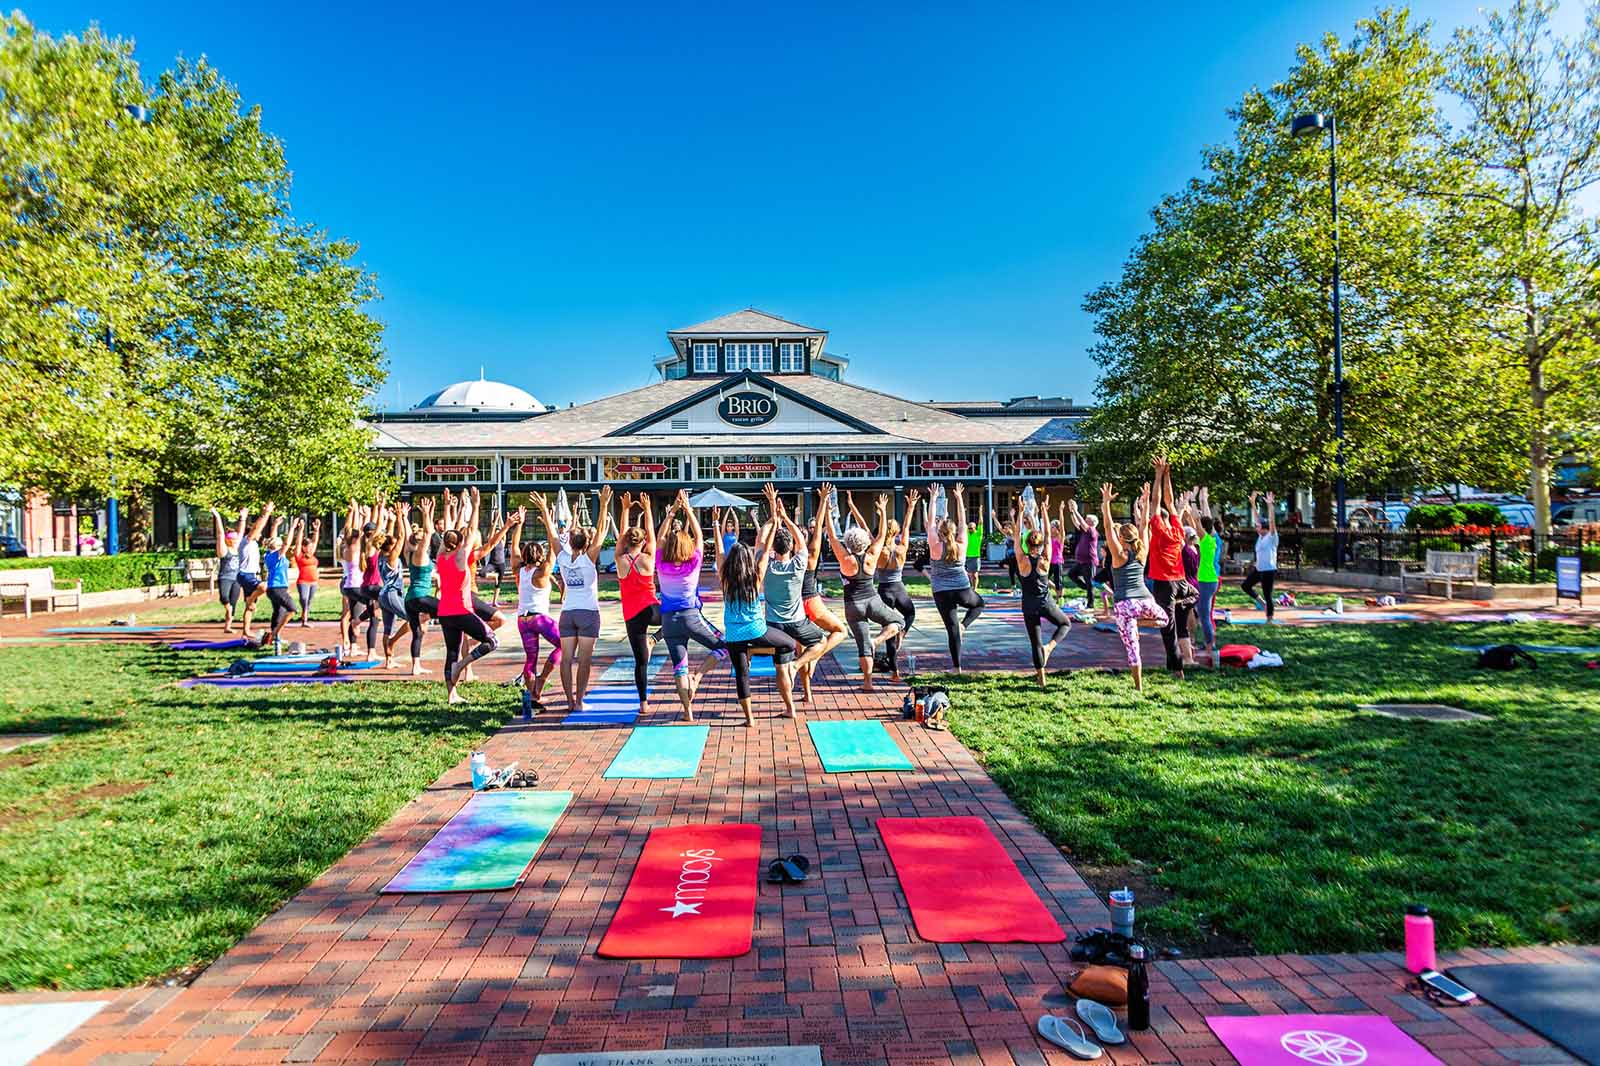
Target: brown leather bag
{"x":1103,"y":984}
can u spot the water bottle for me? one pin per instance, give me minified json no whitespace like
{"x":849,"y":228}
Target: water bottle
{"x":1030,"y":506}
{"x":1122,"y":911}
{"x":1419,"y":939}
{"x":941,"y":502}
{"x":833,"y":511}
{"x":527,"y":706}
{"x":277,"y":646}
{"x":1138,"y":990}
{"x":338,"y":653}
{"x":480,"y":769}
{"x":911,"y":663}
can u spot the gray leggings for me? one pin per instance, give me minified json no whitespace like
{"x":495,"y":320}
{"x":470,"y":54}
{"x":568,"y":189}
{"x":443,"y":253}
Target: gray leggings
{"x":678,"y":628}
{"x":306,"y":592}
{"x":860,"y":614}
{"x":1205,"y":608}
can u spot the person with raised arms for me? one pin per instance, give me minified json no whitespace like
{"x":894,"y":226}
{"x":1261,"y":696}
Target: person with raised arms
{"x":1164,"y":569}
{"x":391,"y":545}
{"x":1132,"y":601}
{"x":857,"y":556}
{"x":1265,"y":573}
{"x":535,"y":620}
{"x":457,"y":619}
{"x":227,"y":566}
{"x":636,"y":582}
{"x":420,"y":601}
{"x":949,"y":578}
{"x":890,"y":575}
{"x":742,"y":570}
{"x":275,"y":564}
{"x":1085,"y":552}
{"x":250,"y":585}
{"x":1208,"y":575}
{"x":306,"y":566}
{"x":679,"y":553}
{"x":788,"y":563}
{"x":579,"y":575}
{"x":816,"y":607}
{"x":1032,"y":574}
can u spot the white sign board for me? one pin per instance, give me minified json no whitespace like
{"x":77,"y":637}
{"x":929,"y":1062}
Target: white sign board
{"x":805,"y":1055}
{"x":1569,"y":577}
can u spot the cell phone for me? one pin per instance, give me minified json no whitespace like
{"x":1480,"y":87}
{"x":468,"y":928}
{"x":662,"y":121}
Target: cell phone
{"x":1443,"y":985}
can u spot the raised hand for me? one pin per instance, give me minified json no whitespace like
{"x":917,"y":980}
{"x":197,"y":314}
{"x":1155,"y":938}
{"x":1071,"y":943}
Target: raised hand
{"x":627,"y":503}
{"x":911,"y":500}
{"x":959,"y":489}
{"x":882,"y":503}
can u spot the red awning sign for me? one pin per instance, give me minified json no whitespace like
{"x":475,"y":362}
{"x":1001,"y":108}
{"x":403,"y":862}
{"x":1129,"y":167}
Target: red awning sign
{"x":933,"y":465}
{"x":545,"y":468}
{"x":641,"y":468}
{"x":450,"y":468}
{"x":747,"y":468}
{"x":1037,"y":464}
{"x":855,"y":464}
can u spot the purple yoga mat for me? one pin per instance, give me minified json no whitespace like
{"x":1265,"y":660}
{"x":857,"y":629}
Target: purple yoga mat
{"x":209,"y":645}
{"x":259,"y":682}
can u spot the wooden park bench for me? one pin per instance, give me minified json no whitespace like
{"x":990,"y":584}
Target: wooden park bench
{"x":201,"y":574}
{"x":1448,"y":567}
{"x":38,"y":585}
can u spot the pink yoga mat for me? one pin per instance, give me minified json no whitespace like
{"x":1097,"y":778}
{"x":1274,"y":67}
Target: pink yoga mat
{"x":1319,"y":1039}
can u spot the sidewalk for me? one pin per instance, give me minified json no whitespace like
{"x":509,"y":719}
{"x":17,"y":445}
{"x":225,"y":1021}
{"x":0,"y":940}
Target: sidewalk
{"x":343,"y":974}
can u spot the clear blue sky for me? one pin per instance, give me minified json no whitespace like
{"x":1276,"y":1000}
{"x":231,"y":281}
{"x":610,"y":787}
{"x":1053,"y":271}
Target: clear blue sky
{"x":544,"y":189}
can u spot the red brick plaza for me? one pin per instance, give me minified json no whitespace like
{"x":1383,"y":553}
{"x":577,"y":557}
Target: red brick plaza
{"x":342,"y":973}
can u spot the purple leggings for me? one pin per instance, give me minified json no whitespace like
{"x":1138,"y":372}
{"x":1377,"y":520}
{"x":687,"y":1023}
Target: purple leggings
{"x":1127,"y":614}
{"x":531,"y":627}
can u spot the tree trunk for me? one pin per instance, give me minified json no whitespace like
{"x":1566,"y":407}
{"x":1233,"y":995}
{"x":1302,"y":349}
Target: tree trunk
{"x":1322,"y":505}
{"x":1538,"y":444}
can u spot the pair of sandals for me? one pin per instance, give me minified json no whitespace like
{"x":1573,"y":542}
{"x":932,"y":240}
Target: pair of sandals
{"x":790,"y":871}
{"x":1072,"y":1037}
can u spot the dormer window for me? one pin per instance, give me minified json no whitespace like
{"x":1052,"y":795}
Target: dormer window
{"x":705,"y":357}
{"x":749,"y":356}
{"x":791,"y":357}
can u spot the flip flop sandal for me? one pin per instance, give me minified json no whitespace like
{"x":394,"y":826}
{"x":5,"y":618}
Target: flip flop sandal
{"x":1098,"y":1016}
{"x":797,"y":867}
{"x":776,"y":875}
{"x":1068,"y":1035}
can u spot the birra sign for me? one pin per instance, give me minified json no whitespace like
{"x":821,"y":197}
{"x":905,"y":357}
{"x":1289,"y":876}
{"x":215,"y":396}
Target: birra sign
{"x":747,"y":409}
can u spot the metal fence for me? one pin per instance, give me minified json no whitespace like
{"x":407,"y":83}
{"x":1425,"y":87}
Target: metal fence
{"x":1516,"y":558}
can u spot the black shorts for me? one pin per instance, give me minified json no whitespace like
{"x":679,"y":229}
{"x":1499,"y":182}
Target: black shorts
{"x":805,"y":632}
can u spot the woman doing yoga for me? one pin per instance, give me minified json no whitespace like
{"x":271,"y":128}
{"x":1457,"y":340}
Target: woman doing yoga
{"x":1032,"y":573}
{"x":890,"y":576}
{"x":534,"y":620}
{"x":227,"y":566}
{"x":456,"y":617}
{"x":857,"y":556}
{"x":578,"y":571}
{"x":636,"y":580}
{"x":816,"y":608}
{"x":743,"y":570}
{"x":1132,"y":600}
{"x":305,"y":566}
{"x":276,"y":564}
{"x":679,"y":553}
{"x":421,"y":601}
{"x":952,"y":587}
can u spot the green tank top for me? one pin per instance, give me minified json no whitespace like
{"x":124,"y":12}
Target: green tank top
{"x":1208,"y":558}
{"x":420,"y":580}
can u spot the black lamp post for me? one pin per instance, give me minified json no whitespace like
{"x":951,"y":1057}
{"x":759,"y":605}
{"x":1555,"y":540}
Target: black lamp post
{"x":141,"y":115}
{"x":1313,"y":124}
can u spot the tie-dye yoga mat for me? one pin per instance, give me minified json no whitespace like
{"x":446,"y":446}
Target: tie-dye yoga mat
{"x":489,"y":844}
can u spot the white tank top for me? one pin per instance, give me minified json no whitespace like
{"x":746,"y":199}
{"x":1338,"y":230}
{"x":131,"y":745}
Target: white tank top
{"x":531,"y":599}
{"x":351,"y":578}
{"x":581,"y":581}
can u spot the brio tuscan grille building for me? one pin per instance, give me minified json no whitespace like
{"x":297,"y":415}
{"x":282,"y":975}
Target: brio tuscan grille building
{"x":743,"y":399}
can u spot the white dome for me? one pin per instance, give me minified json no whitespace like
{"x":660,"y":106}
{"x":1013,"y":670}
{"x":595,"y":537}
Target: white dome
{"x":481,"y":395}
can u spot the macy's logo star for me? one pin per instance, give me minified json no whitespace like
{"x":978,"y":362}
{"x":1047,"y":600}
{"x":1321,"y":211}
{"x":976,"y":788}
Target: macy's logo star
{"x":684,"y":908}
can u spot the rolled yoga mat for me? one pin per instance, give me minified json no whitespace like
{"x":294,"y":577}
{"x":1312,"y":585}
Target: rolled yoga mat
{"x":657,"y":752}
{"x":213,"y":681}
{"x":209,"y":645}
{"x":486,"y":845}
{"x":961,"y":885}
{"x":852,"y":746}
{"x":692,"y":895}
{"x":1558,"y":1000}
{"x":1322,"y":1039}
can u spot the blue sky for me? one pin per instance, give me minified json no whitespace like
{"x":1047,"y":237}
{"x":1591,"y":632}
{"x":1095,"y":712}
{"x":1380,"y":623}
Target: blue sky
{"x":543,"y":190}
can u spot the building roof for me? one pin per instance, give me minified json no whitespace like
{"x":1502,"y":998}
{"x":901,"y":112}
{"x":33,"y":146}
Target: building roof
{"x":886,"y":420}
{"x":749,"y":320}
{"x":481,"y":395}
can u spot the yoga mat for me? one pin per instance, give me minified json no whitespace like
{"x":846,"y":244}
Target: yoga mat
{"x":1561,"y":1002}
{"x":588,"y":717}
{"x":851,"y":746}
{"x":209,"y":645}
{"x":962,"y":886}
{"x":692,"y":895}
{"x":28,"y":1030}
{"x":261,"y":682}
{"x":660,"y":751}
{"x":622,"y":669}
{"x":1543,"y":649}
{"x":1320,"y":1039}
{"x":488,"y":844}
{"x":110,"y":629}
{"x":268,"y":666}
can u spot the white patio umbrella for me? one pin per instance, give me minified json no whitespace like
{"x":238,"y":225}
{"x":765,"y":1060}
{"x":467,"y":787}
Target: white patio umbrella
{"x":717,"y":498}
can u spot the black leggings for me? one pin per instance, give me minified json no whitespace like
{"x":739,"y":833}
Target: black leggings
{"x":416,"y":607}
{"x":894,"y":594}
{"x":1177,"y":627}
{"x":1082,"y":575}
{"x":782,"y":644}
{"x":1011,"y":569}
{"x":947,"y":603}
{"x":639,"y":641}
{"x":860,"y":614}
{"x":1055,"y":577}
{"x":1265,"y":579}
{"x":363,"y":606}
{"x":1031,"y":614}
{"x":282,"y":606}
{"x":456,"y":626}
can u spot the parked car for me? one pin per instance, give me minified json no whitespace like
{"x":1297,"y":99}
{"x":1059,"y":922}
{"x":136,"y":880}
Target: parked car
{"x":11,"y":548}
{"x":1576,"y":512}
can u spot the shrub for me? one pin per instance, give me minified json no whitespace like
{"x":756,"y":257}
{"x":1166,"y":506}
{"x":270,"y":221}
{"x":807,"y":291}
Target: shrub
{"x":1480,"y":514}
{"x":1590,"y":556}
{"x":1435,"y":516}
{"x":101,"y":573}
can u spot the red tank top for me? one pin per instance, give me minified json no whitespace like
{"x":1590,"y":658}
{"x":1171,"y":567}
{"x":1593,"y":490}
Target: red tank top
{"x":455,"y":586}
{"x":306,"y":564}
{"x":370,"y":577}
{"x":638,"y":589}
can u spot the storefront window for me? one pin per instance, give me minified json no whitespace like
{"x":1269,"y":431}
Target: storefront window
{"x":546,"y":468}
{"x":443,"y":470}
{"x":842,"y":467}
{"x":747,"y":467}
{"x":791,"y":357}
{"x":947,"y":465}
{"x":705,"y":357}
{"x":641,"y":468}
{"x":1041,"y":465}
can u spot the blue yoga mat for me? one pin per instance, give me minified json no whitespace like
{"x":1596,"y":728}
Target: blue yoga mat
{"x":110,"y":629}
{"x":622,"y":669}
{"x":852,"y":746}
{"x":610,"y":695}
{"x":271,"y":666}
{"x":209,"y":645}
{"x":1547,"y":649}
{"x":660,"y":751}
{"x":602,"y":717}
{"x":260,"y":682}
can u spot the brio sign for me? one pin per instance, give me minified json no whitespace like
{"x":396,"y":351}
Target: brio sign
{"x":747,"y":409}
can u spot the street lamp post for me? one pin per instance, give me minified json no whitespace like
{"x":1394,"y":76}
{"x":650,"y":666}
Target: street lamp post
{"x":141,"y":115}
{"x":1313,"y":124}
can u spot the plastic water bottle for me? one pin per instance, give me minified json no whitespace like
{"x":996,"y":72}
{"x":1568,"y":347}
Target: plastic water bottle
{"x":1138,"y":990}
{"x":941,"y":502}
{"x":1419,"y":939}
{"x":277,"y":646}
{"x":527,"y":706}
{"x":1030,"y":506}
{"x":833,"y":511}
{"x":480,"y":769}
{"x":1122,"y":911}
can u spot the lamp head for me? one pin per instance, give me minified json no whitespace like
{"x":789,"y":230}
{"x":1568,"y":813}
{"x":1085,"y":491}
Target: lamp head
{"x":1315,"y":122}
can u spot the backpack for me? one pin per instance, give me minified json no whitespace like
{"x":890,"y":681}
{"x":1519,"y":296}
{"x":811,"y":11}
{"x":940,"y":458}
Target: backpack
{"x":882,"y":662}
{"x":1504,"y":657}
{"x":240,"y":668}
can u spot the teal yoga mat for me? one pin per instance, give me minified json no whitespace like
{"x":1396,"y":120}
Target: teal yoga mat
{"x":848,"y":747}
{"x":660,"y":751}
{"x":1544,"y":649}
{"x":488,"y":844}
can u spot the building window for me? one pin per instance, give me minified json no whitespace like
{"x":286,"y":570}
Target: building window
{"x":947,"y":466}
{"x":525,"y":468}
{"x":1038,"y":465}
{"x":747,"y":467}
{"x":744,"y":355}
{"x":441,"y":470}
{"x":825,"y":370}
{"x":791,"y":357}
{"x":674,"y":370}
{"x":840,"y":467}
{"x":705,"y":357}
{"x":640,"y":467}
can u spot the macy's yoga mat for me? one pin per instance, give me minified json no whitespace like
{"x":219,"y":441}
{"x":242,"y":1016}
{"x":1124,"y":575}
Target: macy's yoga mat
{"x":260,"y":682}
{"x":962,"y":886}
{"x":488,"y":844}
{"x":209,"y":645}
{"x":851,"y":746}
{"x":1320,"y":1039}
{"x":1558,"y":1000}
{"x":692,"y":895}
{"x":660,"y":751}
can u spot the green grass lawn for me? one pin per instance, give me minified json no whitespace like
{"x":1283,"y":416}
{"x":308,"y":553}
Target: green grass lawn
{"x":165,"y":823}
{"x":1263,"y":810}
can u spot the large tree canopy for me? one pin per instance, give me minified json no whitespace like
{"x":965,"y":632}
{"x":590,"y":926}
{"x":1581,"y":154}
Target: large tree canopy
{"x":164,"y":319}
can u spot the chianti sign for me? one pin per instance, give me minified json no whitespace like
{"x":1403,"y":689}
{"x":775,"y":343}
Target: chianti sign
{"x":747,"y":409}
{"x":450,"y":468}
{"x":857,"y":466}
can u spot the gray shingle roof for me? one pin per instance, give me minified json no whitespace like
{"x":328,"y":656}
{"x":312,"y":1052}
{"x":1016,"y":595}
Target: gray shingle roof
{"x":749,"y":320}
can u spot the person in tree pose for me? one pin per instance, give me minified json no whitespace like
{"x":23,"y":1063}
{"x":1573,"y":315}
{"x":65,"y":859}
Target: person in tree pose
{"x":1164,"y":566}
{"x":578,"y":571}
{"x":306,"y":565}
{"x":421,"y":602}
{"x":743,"y":571}
{"x":679,"y":553}
{"x":1086,"y":552}
{"x":857,"y":556}
{"x":1008,"y":530}
{"x":1265,"y":574}
{"x":1208,"y":575}
{"x":275,"y":562}
{"x":1036,"y":602}
{"x":227,"y":566}
{"x":250,"y":585}
{"x":784,"y":588}
{"x":890,"y":575}
{"x":953,"y":589}
{"x":534,"y":617}
{"x":1132,"y":601}
{"x":636,"y":580}
{"x":816,"y":607}
{"x":457,"y":619}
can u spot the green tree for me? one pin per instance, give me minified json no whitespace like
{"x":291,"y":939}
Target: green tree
{"x":164,"y":319}
{"x":1530,"y":140}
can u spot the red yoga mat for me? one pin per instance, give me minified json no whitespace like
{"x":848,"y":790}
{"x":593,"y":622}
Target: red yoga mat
{"x":961,"y":884}
{"x":692,"y":896}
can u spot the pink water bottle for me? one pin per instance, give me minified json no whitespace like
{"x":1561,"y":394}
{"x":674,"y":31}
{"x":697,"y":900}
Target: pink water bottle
{"x":1419,"y":938}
